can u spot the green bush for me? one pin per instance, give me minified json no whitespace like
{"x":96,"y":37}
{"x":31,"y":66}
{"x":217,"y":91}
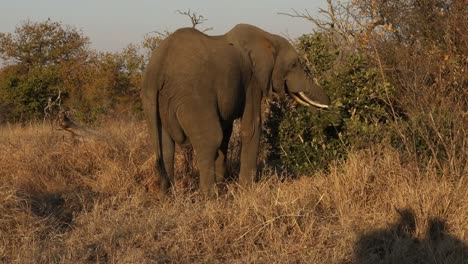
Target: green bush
{"x":305,"y":140}
{"x":26,"y":95}
{"x":45,"y":58}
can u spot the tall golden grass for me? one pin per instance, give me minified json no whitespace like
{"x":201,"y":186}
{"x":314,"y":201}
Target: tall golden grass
{"x":65,"y":200}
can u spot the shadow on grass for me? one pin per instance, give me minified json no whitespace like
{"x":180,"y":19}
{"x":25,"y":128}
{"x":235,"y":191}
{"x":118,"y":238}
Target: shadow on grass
{"x":55,"y":209}
{"x":398,"y":243}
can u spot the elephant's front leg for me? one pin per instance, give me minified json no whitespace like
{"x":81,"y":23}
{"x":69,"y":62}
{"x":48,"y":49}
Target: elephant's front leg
{"x":250,"y":146}
{"x":251,"y":126}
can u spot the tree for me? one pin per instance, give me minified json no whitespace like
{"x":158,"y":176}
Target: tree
{"x":35,"y":55}
{"x":42,"y":43}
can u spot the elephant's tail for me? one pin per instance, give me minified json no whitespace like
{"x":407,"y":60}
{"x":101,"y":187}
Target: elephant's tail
{"x":153,"y":82}
{"x":150,"y":100}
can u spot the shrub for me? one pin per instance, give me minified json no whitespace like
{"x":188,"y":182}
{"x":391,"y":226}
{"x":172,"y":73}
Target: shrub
{"x":27,"y":94}
{"x":395,"y":71}
{"x":45,"y":58}
{"x":308,"y":139}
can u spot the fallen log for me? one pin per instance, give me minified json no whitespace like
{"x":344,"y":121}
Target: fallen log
{"x":69,"y":125}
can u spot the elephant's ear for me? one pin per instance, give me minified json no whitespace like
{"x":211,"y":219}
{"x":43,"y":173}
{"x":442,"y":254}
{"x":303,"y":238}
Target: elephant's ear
{"x":262,"y":57}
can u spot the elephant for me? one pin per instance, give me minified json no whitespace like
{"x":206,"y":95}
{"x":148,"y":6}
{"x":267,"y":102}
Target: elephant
{"x":195,"y":86}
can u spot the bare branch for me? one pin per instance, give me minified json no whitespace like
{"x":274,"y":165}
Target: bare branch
{"x":194,"y":17}
{"x":344,"y":22}
{"x":53,"y":106}
{"x":295,"y":14}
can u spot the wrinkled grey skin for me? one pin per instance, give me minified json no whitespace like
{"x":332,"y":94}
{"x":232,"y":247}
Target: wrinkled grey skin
{"x":196,"y":85}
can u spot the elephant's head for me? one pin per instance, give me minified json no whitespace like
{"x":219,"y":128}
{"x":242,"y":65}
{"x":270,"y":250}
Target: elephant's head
{"x":276,"y":65}
{"x":289,"y":77}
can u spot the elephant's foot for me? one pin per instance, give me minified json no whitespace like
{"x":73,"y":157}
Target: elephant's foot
{"x":210,"y":192}
{"x":246,"y":180}
{"x":165,"y":187}
{"x":163,"y":196}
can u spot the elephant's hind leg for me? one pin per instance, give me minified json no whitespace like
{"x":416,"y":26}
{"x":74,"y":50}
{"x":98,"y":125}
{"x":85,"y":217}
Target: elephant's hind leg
{"x":165,"y":164}
{"x":207,"y":153}
{"x":206,"y":143}
{"x":220,"y":164}
{"x":202,"y":126}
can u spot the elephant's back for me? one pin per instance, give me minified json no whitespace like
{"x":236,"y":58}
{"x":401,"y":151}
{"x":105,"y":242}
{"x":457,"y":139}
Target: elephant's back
{"x":192,"y":54}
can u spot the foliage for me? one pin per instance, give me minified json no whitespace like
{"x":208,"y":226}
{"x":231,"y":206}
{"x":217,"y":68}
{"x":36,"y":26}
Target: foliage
{"x":425,"y":57}
{"x":35,"y":54}
{"x":28,"y":93}
{"x":48,"y":58}
{"x":310,"y":139}
{"x":396,"y":71}
{"x":42,"y":43}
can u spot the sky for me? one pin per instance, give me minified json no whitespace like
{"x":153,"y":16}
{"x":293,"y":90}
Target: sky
{"x":113,"y":24}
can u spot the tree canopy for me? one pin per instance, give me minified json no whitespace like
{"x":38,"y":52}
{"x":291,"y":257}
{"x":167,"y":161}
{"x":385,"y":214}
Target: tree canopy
{"x":42,"y":43}
{"x":45,"y":59}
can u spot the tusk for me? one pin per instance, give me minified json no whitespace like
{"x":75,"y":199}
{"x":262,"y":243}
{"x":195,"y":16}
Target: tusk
{"x":299,"y":100}
{"x":311,"y":102}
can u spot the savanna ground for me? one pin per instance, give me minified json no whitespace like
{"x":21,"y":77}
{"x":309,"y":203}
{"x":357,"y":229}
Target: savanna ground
{"x":78,"y":200}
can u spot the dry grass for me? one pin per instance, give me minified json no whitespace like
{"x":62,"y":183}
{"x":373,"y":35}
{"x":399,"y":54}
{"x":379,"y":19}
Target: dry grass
{"x":75,"y":201}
